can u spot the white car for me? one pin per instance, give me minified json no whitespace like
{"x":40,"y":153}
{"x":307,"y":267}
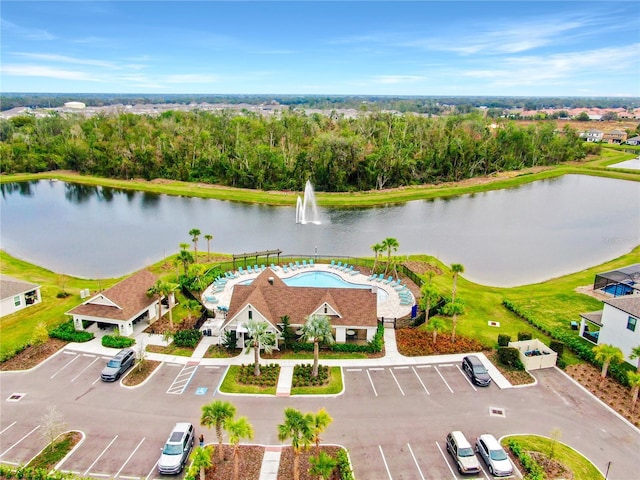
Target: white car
{"x":176,"y":450}
{"x":494,"y":455}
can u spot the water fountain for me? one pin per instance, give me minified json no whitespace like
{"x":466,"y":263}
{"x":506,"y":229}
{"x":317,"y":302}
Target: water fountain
{"x":306,"y":208}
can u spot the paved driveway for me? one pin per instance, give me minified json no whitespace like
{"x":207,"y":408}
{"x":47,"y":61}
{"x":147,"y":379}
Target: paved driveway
{"x":392,"y":419}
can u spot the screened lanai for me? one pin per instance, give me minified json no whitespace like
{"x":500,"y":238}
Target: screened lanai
{"x":623,"y":281}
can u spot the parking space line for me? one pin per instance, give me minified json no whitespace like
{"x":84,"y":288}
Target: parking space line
{"x":384,"y":460}
{"x":213,"y":367}
{"x":127,"y":460}
{"x":445,"y":382}
{"x":420,"y":380}
{"x":353,"y":369}
{"x":372,"y":385}
{"x":467,"y":378}
{"x":445,"y":461}
{"x":88,"y":355}
{"x":66,"y":365}
{"x":103,"y":475}
{"x":416,"y":461}
{"x":129,"y":478}
{"x":446,"y":365}
{"x":82,"y":371}
{"x":8,"y":449}
{"x":401,"y":368}
{"x":397,"y":383}
{"x":424,"y":366}
{"x":95,"y":381}
{"x":376,"y":368}
{"x":155,"y":465}
{"x":86,"y":473}
{"x":7,"y":428}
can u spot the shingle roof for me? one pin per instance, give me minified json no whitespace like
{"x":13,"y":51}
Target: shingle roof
{"x":357,"y":307}
{"x":129,"y":296}
{"x":10,"y":287}
{"x":629,"y":304}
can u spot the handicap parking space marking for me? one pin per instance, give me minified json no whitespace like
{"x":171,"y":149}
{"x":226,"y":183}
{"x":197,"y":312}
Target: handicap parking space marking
{"x":201,"y":390}
{"x":416,"y":461}
{"x":183,"y":378}
{"x":445,"y":382}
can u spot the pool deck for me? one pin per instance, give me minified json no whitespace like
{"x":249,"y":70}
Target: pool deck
{"x":391,"y":308}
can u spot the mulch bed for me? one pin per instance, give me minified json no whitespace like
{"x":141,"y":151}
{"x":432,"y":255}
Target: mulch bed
{"x":250,"y":463}
{"x":413,"y":342}
{"x":33,"y":355}
{"x":515,"y":377}
{"x":610,"y":392}
{"x":285,"y":471}
{"x":140,"y":373}
{"x":422,"y":268}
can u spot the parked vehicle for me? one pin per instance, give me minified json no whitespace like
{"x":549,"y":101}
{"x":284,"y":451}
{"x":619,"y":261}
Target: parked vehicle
{"x":119,"y":364}
{"x":462,"y":452}
{"x":476,"y":371}
{"x":176,"y":450}
{"x":494,"y":455}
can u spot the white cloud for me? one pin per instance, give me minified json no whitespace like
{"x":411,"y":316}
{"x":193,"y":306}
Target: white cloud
{"x":396,"y":79}
{"x":42,"y":71}
{"x":25,"y":32}
{"x":66,"y":59}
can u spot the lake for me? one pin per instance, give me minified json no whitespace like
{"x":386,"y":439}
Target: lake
{"x":505,"y":237}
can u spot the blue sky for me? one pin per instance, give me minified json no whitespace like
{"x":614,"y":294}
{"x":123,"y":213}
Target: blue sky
{"x":564,"y":48}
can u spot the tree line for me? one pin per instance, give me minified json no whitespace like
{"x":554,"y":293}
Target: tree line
{"x":372,"y":151}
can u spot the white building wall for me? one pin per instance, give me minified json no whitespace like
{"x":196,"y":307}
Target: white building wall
{"x":614,"y":331}
{"x":8,"y":305}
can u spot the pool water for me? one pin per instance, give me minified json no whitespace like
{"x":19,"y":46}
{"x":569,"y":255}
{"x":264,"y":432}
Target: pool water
{"x":618,"y":289}
{"x":326,"y":280}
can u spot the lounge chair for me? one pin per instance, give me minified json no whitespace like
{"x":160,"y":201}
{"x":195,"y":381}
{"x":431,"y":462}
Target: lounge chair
{"x":275,"y":268}
{"x":250,"y":269}
{"x":241,"y":271}
{"x":263,"y":267}
{"x":354,"y":272}
{"x":256,"y":269}
{"x":332,"y":264}
{"x":311,"y":264}
{"x":372,"y":277}
{"x":304,"y":263}
{"x":338,"y":266}
{"x":348,"y":270}
{"x":388,"y":280}
{"x":298,"y":264}
{"x":285,"y":269}
{"x":210,"y":299}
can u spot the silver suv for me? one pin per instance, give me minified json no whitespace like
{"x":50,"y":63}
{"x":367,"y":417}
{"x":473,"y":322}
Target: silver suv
{"x":462,"y":452}
{"x":176,"y":450}
{"x":494,"y":455}
{"x":119,"y":364}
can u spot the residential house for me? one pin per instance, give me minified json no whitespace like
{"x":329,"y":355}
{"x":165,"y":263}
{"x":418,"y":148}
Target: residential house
{"x":614,"y":136}
{"x":634,"y":140}
{"x":616,"y":324}
{"x":351,"y":311}
{"x":592,"y":135}
{"x":121,"y":306}
{"x":17,"y":294}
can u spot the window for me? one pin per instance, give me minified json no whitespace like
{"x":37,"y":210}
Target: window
{"x":326,"y":309}
{"x":631,"y":324}
{"x":250,"y":315}
{"x":16,"y":301}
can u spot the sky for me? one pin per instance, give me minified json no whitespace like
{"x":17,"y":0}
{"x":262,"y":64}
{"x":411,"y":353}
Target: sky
{"x":503,"y":48}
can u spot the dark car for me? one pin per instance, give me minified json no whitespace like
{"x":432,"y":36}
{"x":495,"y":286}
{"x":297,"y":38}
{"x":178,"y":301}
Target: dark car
{"x":476,"y":371}
{"x":119,"y":364}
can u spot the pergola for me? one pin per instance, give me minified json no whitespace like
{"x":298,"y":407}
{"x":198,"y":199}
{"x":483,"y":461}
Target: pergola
{"x":256,"y":255}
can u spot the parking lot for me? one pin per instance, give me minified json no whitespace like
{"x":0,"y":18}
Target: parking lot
{"x":392,"y":419}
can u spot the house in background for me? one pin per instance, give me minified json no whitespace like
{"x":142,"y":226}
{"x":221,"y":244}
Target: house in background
{"x":17,"y":294}
{"x":616,"y":324}
{"x":614,"y":136}
{"x":352,"y":312}
{"x":592,"y":135}
{"x":121,"y":306}
{"x":634,"y":140}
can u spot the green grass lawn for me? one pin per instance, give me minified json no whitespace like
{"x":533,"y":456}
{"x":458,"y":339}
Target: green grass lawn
{"x":581,"y":467}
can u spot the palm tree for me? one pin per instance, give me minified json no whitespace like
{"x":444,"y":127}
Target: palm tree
{"x":201,"y":461}
{"x":322,"y":466}
{"x":453,"y":309}
{"x":296,"y":427}
{"x":456,"y":268}
{"x":319,"y":423}
{"x":428,"y":296}
{"x":216,"y":414}
{"x":208,"y":237}
{"x":259,"y":337}
{"x":185,"y":258}
{"x":160,"y":290}
{"x":436,"y":325}
{"x":389,"y":244}
{"x":635,"y":353}
{"x":238,"y":429}
{"x":607,"y":354}
{"x":377,"y":248}
{"x":317,"y":329}
{"x":195,"y":233}
{"x":166,"y":290}
{"x":634,"y":383}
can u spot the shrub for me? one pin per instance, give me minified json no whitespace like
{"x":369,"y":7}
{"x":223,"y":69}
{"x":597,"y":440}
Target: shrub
{"x":117,"y":341}
{"x":533,"y":469}
{"x":302,"y":376}
{"x":344,"y":466}
{"x":510,"y":356}
{"x":187,"y":338}
{"x":230,"y":341}
{"x":268,"y":375}
{"x":503,"y":340}
{"x":62,"y":294}
{"x":68,"y":333}
{"x":557,"y":346}
{"x":524,"y":336}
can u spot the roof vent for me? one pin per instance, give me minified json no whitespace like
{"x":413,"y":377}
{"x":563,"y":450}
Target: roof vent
{"x":270,"y":280}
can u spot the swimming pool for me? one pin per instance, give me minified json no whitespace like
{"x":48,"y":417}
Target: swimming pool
{"x":326,"y":280}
